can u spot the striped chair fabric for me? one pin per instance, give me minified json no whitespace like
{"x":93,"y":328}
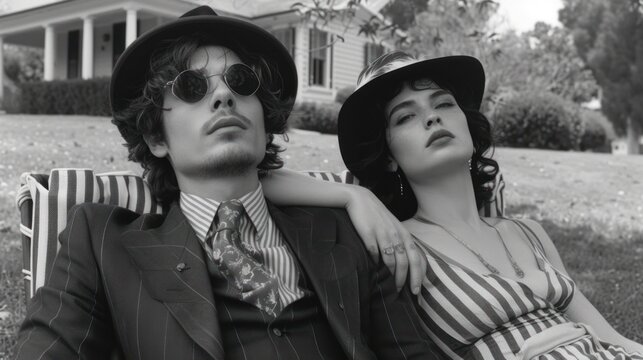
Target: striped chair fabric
{"x":44,"y":200}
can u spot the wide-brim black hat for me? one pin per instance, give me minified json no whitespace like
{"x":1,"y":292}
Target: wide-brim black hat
{"x":130,"y":73}
{"x":359,"y":122}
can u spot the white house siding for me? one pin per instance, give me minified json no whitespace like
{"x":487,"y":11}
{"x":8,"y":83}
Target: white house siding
{"x":349,"y":57}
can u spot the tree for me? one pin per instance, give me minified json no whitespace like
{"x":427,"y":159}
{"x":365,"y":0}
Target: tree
{"x":555,"y":65}
{"x":450,"y":27}
{"x":399,"y":15}
{"x":542,"y":59}
{"x":609,"y":36}
{"x":402,"y":12}
{"x":453,"y":26}
{"x":23,"y":63}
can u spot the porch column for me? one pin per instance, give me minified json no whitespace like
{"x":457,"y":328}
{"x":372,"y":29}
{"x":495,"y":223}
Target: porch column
{"x":130,"y":27}
{"x":1,"y":67}
{"x":50,"y":53}
{"x":88,"y":47}
{"x":301,"y":58}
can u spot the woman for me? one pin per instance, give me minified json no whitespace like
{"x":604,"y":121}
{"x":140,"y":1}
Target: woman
{"x":495,"y":288}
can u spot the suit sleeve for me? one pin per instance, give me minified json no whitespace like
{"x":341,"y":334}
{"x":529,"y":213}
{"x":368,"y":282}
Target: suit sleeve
{"x":395,"y":331}
{"x":68,"y":318}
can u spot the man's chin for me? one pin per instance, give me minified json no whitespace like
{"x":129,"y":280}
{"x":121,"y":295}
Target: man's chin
{"x":231,"y":163}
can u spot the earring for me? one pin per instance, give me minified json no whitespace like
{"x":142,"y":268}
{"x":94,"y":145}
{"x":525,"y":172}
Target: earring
{"x":399,"y":179}
{"x":469,"y":162}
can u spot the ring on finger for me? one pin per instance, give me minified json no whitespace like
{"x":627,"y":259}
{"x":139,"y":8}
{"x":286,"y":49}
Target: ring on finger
{"x":399,"y":248}
{"x":389,"y":250}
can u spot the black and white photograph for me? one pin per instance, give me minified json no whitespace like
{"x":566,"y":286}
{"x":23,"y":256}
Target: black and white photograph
{"x":321,"y":179}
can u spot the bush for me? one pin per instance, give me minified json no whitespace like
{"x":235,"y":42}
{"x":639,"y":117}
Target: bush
{"x":314,"y":116}
{"x":540,"y":120}
{"x":69,"y":97}
{"x":599,"y":132}
{"x":343,"y":94}
{"x":11,"y":100}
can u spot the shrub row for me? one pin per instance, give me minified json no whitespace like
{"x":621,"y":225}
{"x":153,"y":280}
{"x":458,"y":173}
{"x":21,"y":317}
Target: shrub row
{"x":80,"y":97}
{"x":599,"y":131}
{"x":320,"y":117}
{"x":314,"y":116}
{"x":532,"y":119}
{"x":536,"y":119}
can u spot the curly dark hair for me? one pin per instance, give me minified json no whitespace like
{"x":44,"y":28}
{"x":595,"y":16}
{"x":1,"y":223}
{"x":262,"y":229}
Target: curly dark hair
{"x":142,"y":119}
{"x":386,"y":184}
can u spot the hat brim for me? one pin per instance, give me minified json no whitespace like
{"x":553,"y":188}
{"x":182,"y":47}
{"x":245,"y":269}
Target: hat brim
{"x":357,"y":122}
{"x":129,"y":74}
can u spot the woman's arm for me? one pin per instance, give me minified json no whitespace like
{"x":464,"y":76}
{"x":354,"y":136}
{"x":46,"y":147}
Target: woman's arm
{"x":580,"y":309}
{"x":377,"y":227}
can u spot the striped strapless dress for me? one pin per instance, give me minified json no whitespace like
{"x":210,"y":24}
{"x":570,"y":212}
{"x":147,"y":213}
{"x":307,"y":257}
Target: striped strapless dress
{"x":474,"y":316}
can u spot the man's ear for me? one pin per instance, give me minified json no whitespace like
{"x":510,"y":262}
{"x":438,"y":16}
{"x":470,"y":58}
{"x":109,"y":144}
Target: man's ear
{"x":392,"y":165}
{"x":157,"y":147}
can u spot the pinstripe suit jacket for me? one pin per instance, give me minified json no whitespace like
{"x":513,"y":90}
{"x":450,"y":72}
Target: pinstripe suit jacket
{"x":115,"y":284}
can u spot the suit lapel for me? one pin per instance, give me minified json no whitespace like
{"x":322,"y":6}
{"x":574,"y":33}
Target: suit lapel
{"x":173,"y":268}
{"x":329,"y":266}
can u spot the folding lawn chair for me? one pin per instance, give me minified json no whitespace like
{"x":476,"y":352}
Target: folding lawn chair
{"x":44,"y":200}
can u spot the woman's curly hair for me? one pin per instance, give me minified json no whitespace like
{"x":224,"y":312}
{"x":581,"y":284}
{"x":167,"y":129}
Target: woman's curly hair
{"x":142,"y":119}
{"x":373,"y":171}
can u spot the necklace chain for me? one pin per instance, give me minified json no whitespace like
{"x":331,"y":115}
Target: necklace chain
{"x":519,"y":272}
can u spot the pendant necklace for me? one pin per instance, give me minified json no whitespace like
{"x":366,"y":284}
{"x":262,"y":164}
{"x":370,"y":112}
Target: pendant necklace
{"x":519,"y":272}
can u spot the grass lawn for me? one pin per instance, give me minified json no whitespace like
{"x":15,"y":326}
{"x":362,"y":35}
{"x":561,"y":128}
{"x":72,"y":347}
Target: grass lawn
{"x":591,"y":205}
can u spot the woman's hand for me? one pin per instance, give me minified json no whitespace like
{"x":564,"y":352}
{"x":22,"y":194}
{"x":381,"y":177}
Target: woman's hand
{"x":383,"y":234}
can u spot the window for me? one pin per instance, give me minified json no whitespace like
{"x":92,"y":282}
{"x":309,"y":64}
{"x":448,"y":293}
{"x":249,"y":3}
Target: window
{"x":73,"y":54}
{"x":118,"y":39}
{"x":287,"y":37}
{"x":320,"y":56}
{"x":372,"y":52}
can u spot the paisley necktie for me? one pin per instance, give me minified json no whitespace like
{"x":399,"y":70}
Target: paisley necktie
{"x":239,"y":262}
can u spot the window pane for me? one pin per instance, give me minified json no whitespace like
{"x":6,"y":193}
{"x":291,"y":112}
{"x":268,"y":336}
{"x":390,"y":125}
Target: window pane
{"x":318,"y":53}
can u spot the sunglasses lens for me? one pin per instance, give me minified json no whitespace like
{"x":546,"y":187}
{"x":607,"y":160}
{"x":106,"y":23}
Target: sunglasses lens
{"x":190,"y":86}
{"x":242,"y":79}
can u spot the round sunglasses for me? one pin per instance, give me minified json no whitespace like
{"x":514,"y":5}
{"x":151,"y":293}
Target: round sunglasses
{"x":192,"y":85}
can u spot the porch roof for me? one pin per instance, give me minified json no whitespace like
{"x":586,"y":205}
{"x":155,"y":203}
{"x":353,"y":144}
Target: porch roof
{"x":63,"y":10}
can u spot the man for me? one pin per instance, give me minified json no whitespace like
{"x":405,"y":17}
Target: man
{"x":224,"y":274}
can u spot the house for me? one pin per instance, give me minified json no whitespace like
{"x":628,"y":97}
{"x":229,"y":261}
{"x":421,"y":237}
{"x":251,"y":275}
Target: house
{"x":619,"y":146}
{"x":84,"y":38}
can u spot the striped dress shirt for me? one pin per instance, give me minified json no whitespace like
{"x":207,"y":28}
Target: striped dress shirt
{"x":256,"y":228}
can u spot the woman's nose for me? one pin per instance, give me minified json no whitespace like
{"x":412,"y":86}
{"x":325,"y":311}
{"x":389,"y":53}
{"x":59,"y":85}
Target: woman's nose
{"x":433,"y":119}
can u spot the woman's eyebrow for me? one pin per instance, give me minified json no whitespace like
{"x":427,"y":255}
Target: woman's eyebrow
{"x":439,"y":93}
{"x":399,"y":106}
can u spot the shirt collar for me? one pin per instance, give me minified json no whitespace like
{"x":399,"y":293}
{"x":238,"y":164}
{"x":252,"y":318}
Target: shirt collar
{"x":203,"y":209}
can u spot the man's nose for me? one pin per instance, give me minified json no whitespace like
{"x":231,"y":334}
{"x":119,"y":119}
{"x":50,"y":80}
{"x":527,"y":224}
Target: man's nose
{"x":222,"y":96}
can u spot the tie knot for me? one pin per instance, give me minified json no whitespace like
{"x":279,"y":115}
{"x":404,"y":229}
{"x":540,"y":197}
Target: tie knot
{"x":229,"y":214}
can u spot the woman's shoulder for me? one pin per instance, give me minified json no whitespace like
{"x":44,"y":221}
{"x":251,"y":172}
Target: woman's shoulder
{"x":534,"y":230}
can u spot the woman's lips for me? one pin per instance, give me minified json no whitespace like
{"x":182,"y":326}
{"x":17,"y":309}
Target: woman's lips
{"x":438,"y":134}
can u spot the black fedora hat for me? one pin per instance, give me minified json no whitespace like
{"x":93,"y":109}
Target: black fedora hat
{"x":359,"y":128}
{"x":129,"y":74}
